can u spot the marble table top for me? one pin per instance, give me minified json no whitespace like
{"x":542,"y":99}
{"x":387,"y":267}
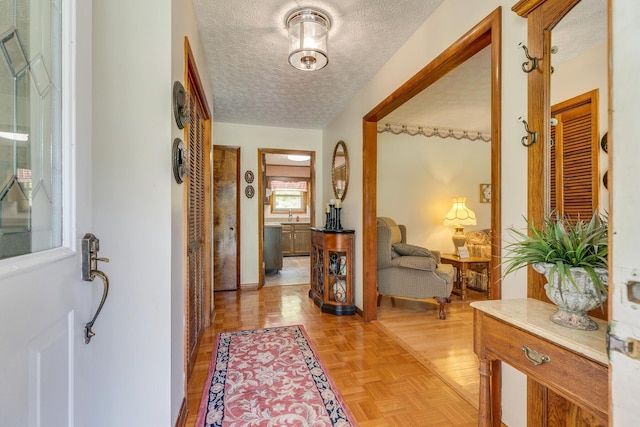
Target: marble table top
{"x":532,"y":316}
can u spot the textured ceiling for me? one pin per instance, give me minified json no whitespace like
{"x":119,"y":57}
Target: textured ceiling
{"x":461,"y":100}
{"x":245,"y":44}
{"x":584,"y":28}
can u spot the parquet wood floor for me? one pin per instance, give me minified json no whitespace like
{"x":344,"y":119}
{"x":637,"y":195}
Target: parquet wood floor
{"x":382,"y":383}
{"x":295,"y":271}
{"x":446,"y":348}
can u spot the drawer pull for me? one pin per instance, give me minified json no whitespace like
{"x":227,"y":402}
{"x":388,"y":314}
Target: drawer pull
{"x":535,"y":357}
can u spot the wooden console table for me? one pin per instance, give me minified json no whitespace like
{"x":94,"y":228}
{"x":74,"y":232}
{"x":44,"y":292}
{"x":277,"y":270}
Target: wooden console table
{"x":332,"y":270}
{"x":571,"y":363}
{"x":462,"y":265}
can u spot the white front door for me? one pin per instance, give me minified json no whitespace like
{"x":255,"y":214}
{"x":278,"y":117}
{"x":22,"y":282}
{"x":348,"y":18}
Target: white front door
{"x":45,"y":209}
{"x":624,"y":153}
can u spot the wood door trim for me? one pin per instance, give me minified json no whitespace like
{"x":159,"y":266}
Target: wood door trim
{"x":487,"y":32}
{"x":261,"y":189}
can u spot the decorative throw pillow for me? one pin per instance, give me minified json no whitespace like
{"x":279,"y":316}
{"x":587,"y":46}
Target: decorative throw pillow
{"x":405,"y":249}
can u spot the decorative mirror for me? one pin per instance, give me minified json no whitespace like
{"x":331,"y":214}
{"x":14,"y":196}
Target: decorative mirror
{"x":340,"y":170}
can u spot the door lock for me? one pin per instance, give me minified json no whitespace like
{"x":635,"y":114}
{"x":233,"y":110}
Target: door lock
{"x":90,"y":247}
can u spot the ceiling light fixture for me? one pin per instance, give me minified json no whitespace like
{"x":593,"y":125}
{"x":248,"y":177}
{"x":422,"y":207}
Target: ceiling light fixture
{"x":308,"y":39}
{"x":298,"y":157}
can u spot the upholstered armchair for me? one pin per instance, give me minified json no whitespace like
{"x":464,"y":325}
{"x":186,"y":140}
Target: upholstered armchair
{"x":410,"y":271}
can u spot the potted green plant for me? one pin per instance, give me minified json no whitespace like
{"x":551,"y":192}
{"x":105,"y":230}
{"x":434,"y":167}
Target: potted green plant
{"x":573,"y":258}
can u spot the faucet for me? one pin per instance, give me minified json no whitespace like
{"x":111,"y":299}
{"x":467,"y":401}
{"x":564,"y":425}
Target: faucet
{"x":290,"y":216}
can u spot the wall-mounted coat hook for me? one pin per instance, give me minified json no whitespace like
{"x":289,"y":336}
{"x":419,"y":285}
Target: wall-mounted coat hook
{"x":533,"y":60}
{"x":533,"y":134}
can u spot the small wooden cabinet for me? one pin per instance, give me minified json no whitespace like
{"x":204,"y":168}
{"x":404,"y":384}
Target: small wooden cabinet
{"x":332,"y":274}
{"x":296,"y":239}
{"x":568,"y":362}
{"x":477,"y":264}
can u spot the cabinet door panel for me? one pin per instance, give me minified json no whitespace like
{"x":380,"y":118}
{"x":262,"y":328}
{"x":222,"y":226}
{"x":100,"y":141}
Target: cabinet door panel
{"x":302,"y":241}
{"x":287,"y":240}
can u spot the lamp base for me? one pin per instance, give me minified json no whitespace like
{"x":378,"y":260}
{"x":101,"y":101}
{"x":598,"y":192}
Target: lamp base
{"x":458,"y":239}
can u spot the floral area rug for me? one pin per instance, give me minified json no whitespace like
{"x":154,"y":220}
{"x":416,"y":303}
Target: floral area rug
{"x":269,"y":377}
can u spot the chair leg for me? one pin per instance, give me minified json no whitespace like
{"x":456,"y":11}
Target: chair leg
{"x":442,"y":302}
{"x":379,"y":299}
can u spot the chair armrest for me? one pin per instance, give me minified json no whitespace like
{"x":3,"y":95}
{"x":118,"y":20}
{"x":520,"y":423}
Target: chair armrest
{"x":384,"y":248}
{"x":415,"y":262}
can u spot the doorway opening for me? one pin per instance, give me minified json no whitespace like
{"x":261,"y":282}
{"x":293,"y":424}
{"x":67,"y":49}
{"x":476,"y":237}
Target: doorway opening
{"x":487,"y":33}
{"x":286,"y":187}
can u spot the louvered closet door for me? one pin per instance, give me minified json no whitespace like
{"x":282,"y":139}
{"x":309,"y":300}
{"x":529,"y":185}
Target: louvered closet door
{"x":196,"y":239}
{"x":574,"y":160}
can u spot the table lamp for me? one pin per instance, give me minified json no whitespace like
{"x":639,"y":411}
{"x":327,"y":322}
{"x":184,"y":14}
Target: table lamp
{"x":458,"y":216}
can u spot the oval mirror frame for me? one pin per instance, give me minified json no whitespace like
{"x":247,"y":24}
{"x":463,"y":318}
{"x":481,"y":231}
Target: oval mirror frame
{"x":340,"y":170}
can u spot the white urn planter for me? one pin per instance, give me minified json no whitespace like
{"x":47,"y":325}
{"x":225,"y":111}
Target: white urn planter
{"x":574,"y":301}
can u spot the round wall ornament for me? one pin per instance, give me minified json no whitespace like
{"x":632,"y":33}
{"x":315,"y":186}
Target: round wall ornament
{"x":249,"y":191}
{"x":180,"y":160}
{"x":604,"y":144}
{"x":180,"y":107}
{"x":248,"y":176}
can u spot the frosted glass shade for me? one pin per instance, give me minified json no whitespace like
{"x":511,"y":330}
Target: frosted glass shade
{"x":308,"y":39}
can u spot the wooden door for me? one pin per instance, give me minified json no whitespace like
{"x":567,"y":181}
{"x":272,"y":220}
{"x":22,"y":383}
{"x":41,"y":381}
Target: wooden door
{"x":198,"y":192}
{"x":226,"y":213}
{"x":574,"y":170}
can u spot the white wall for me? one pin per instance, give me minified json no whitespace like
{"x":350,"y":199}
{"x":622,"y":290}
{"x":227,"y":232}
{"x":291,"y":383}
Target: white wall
{"x":444,"y":27}
{"x":131,"y":143}
{"x":183,"y":24}
{"x":418,"y":176}
{"x":138,"y":53}
{"x":249,"y":139}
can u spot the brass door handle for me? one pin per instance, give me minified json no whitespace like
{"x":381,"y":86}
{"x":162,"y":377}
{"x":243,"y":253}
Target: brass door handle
{"x":88,"y":331}
{"x":90,"y":245}
{"x":535,"y":357}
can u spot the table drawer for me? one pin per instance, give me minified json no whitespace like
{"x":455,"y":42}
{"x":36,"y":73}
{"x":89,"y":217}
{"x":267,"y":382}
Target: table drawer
{"x":579,"y":379}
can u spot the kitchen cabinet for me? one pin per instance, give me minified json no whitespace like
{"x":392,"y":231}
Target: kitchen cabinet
{"x":272,"y":250}
{"x":296,"y":239}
